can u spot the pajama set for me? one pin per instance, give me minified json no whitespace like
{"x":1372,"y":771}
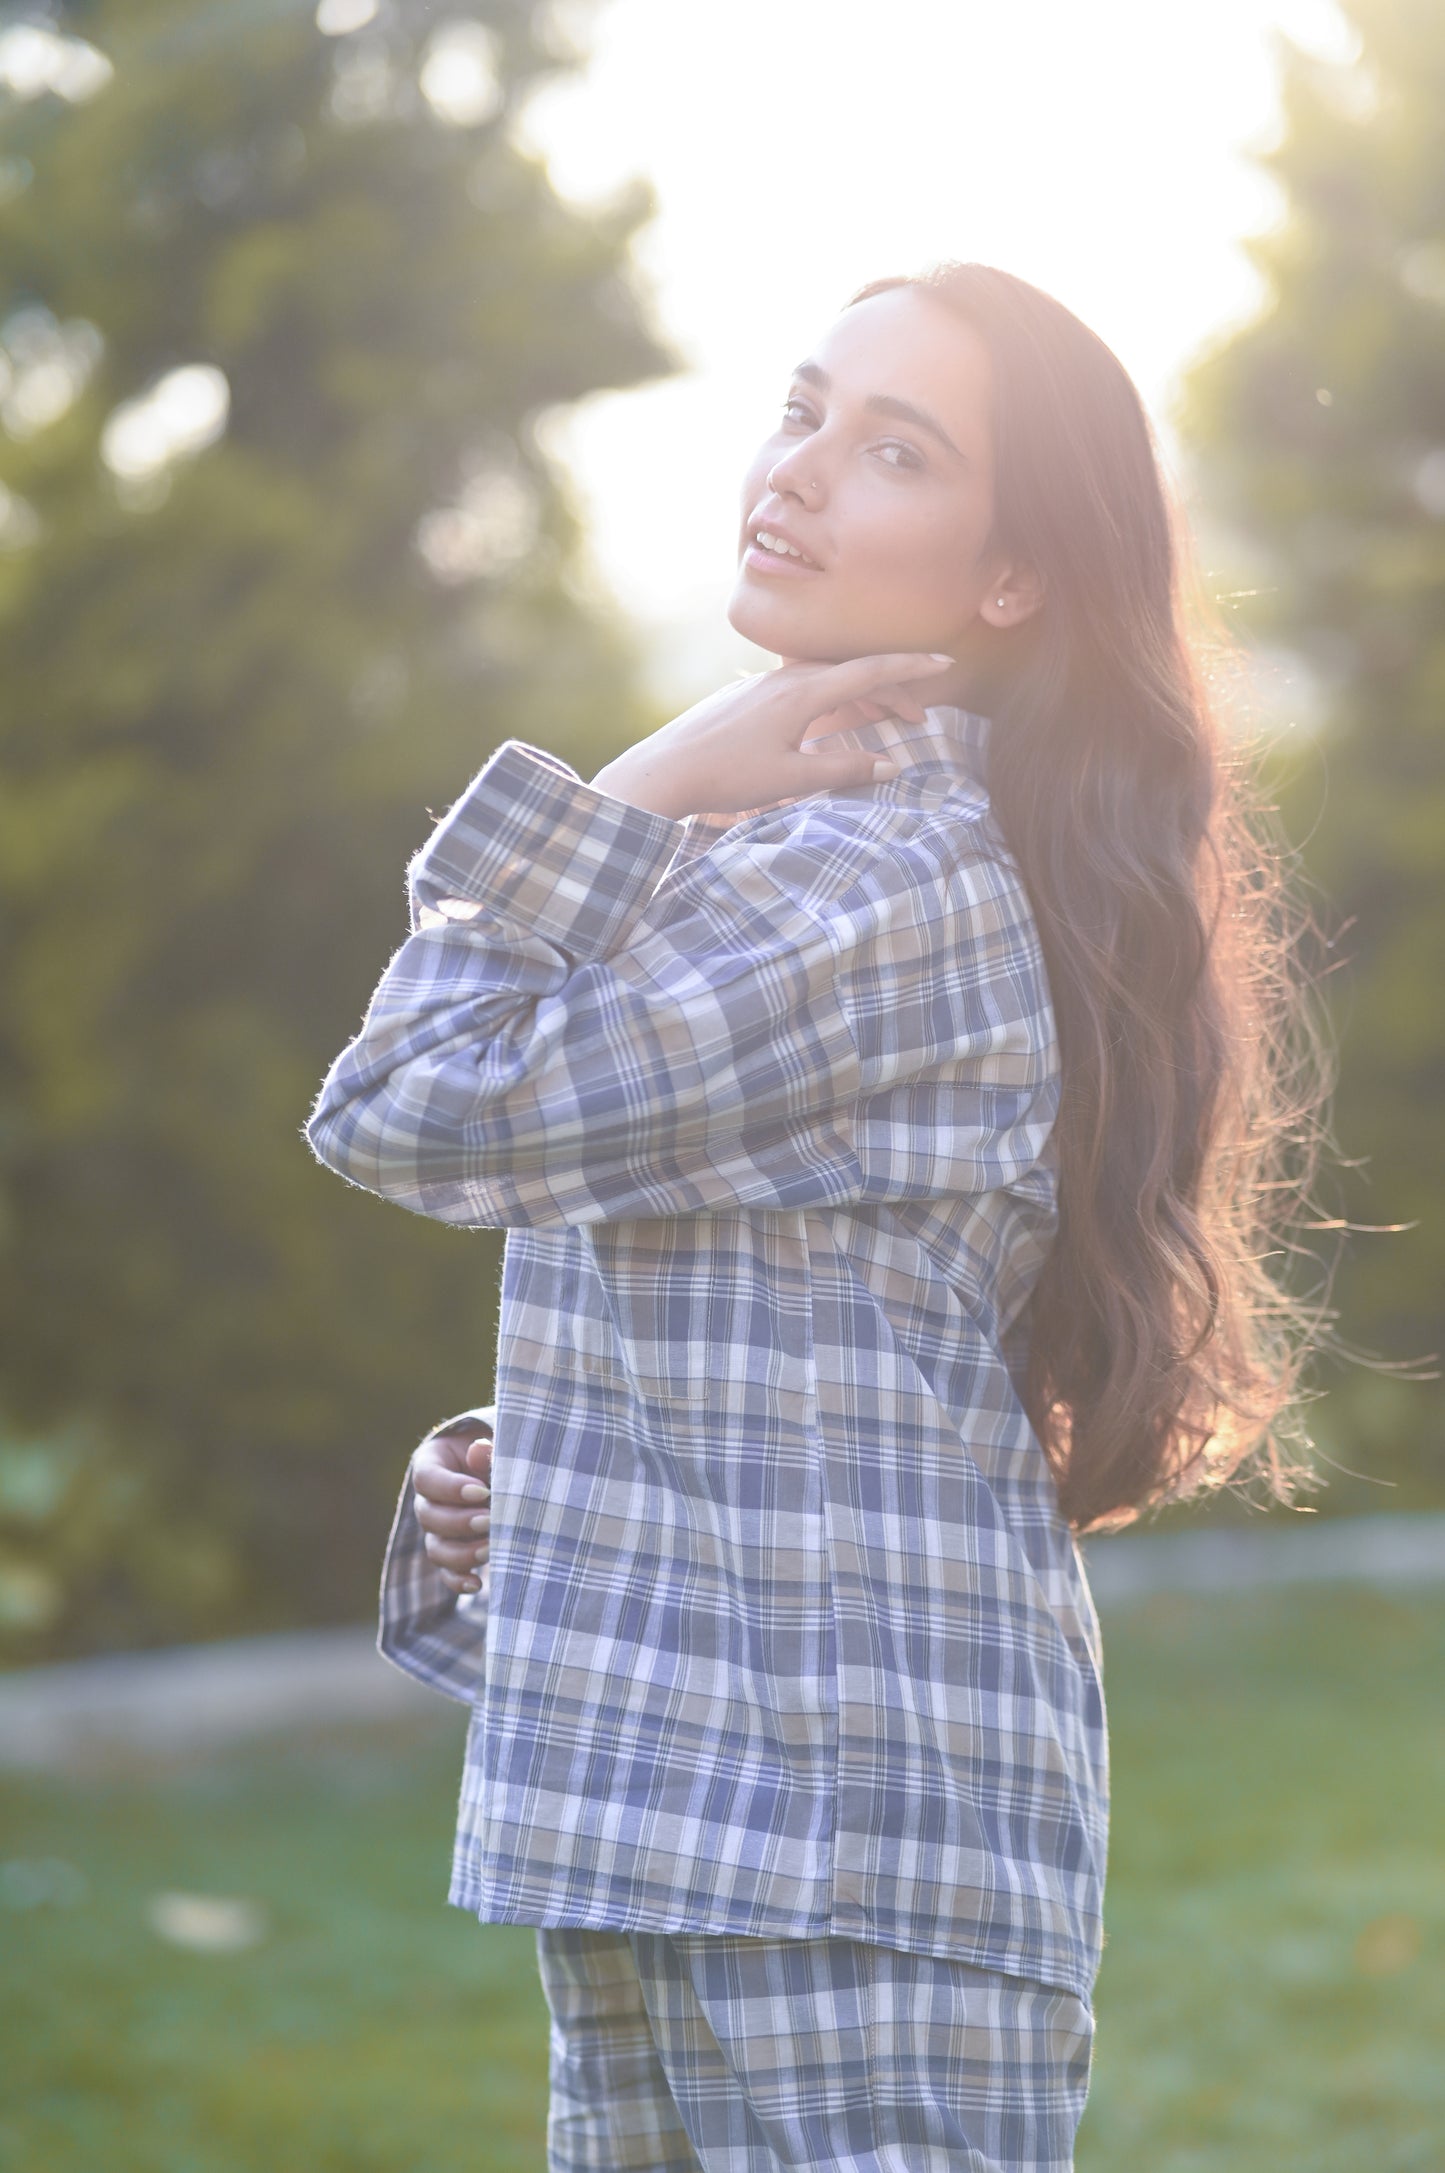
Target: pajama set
{"x":787,"y":1724}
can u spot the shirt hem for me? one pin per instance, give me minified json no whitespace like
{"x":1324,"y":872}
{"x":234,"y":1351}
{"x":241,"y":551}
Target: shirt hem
{"x":976,"y":1948}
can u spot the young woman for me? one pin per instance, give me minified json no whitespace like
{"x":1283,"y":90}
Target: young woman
{"x":876,"y":1072}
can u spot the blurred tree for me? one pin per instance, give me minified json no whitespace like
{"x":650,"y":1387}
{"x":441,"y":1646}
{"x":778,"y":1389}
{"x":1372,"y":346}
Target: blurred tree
{"x":1320,"y":430}
{"x":281,"y":305}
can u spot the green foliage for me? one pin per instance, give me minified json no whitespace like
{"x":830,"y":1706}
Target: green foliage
{"x":235,"y":690}
{"x":1270,"y":2000}
{"x":1320,"y":431}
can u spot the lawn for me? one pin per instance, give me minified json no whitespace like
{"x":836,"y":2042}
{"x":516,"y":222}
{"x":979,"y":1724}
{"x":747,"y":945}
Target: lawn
{"x":1273,"y":1996}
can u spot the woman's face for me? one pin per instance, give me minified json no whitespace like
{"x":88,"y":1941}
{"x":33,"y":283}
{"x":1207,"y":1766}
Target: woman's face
{"x":880,"y":471}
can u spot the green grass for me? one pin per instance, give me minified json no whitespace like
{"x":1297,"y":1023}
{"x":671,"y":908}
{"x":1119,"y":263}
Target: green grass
{"x":1272,"y":2000}
{"x":1273,"y":1992}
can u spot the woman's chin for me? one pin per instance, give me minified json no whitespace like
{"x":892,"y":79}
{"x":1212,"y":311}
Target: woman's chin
{"x":769,"y":623}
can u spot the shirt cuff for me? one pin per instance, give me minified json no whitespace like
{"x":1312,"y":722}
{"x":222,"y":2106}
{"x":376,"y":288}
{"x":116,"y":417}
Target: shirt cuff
{"x":530,"y":840}
{"x":424,"y":1628}
{"x":484,"y":1414}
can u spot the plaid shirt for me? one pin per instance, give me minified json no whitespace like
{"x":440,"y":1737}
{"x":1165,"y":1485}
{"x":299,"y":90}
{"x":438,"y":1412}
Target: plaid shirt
{"x":783,"y":1633}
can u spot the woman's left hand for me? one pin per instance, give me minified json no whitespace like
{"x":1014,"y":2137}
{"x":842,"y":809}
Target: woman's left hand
{"x":451,"y":1475}
{"x":743,"y":746}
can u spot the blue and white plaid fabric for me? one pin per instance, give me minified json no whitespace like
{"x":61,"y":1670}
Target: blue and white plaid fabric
{"x":675,"y":2052}
{"x":783,"y":1634}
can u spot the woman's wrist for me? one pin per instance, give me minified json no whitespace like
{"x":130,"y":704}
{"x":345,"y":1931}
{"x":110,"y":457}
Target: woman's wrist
{"x":630,"y":781}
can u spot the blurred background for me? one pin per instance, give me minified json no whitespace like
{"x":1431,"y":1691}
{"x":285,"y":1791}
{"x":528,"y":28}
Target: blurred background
{"x":375,"y":381}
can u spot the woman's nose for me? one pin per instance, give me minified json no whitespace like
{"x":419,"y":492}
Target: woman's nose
{"x":791,"y":477}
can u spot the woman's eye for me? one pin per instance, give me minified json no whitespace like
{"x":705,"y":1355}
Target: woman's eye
{"x":893,"y":452}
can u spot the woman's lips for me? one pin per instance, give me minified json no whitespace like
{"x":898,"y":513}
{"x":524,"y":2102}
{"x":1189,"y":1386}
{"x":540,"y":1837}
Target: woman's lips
{"x":757,"y":560}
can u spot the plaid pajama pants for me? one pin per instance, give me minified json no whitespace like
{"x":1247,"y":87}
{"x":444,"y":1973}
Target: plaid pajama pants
{"x":672,"y":2052}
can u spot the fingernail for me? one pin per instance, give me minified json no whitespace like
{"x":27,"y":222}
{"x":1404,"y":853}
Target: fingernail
{"x":885,"y":769}
{"x":476,"y":1493}
{"x":937,"y":657}
{"x":479,"y":1524}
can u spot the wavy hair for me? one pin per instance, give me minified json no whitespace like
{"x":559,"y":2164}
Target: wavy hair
{"x":1165,"y":1342}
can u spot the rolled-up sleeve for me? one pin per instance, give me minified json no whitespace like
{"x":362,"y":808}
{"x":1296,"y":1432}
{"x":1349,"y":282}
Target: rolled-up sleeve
{"x":572,"y":1034}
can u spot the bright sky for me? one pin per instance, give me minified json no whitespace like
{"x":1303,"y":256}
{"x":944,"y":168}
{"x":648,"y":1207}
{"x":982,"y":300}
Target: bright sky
{"x":801,"y":147}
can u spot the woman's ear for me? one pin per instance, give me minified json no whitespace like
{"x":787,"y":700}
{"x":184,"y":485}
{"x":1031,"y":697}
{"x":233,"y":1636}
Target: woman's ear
{"x":1014,"y":595}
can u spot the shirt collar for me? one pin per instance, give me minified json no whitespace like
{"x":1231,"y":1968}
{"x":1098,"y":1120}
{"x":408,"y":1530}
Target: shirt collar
{"x":949,"y":739}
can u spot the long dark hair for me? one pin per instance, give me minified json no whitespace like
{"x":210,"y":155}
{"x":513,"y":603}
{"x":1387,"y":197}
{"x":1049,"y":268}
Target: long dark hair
{"x":1165,"y":1342}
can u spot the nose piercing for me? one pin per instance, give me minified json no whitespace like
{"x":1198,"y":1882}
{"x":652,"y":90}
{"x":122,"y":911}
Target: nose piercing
{"x":773,"y":486}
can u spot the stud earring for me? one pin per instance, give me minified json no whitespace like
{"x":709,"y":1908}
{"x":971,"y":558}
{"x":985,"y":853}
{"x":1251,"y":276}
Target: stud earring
{"x":1001,"y":603}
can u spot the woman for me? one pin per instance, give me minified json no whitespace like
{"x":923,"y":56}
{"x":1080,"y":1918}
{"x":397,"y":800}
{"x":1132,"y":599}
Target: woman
{"x":874,"y":1070}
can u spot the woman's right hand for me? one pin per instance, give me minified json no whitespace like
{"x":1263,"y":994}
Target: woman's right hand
{"x":451,"y":1481}
{"x":743,"y":747}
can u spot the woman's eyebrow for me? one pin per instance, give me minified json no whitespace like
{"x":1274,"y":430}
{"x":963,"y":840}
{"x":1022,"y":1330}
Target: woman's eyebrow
{"x":884,"y":403}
